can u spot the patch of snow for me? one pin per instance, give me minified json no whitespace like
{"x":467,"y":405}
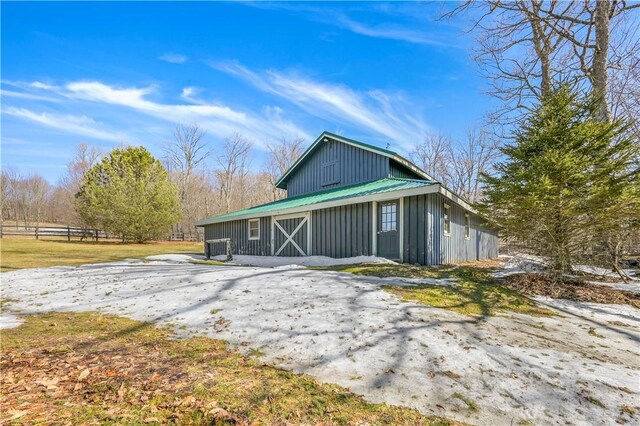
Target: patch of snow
{"x":179,"y":258}
{"x":313,"y":261}
{"x":8,"y":320}
{"x":344,"y":329}
{"x":520,"y":263}
{"x":632,"y":286}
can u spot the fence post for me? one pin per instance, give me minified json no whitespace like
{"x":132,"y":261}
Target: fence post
{"x":36,"y":232}
{"x":68,"y":233}
{"x":229,"y":255}
{"x":0,"y":230}
{"x":96,"y":235}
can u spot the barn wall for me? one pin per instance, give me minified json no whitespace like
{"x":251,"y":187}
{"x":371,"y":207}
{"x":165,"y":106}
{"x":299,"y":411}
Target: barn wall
{"x":424,"y":239}
{"x":398,"y":171}
{"x":343,"y":231}
{"x":238,"y":231}
{"x":354,"y":165}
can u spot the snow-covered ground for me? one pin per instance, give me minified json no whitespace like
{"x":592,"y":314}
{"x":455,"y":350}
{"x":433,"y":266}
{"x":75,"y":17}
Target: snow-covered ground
{"x":580,"y":367}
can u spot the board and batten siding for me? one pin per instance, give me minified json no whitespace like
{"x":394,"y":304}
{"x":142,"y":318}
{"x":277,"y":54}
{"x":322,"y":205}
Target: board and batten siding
{"x":238,"y":231}
{"x":425,"y":242}
{"x":398,"y":171}
{"x":343,"y":231}
{"x":347,"y":164}
{"x":347,"y":231}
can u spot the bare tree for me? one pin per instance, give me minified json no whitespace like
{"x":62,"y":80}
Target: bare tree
{"x":187,"y":151}
{"x":526,"y":45}
{"x":282,"y":155}
{"x":85,"y":157}
{"x":233,"y":162}
{"x":9,"y":188}
{"x":458,"y":166}
{"x":184,"y":157}
{"x":37,"y":191}
{"x":470,"y":160}
{"x":25,"y":199}
{"x":433,"y":156}
{"x":63,"y":199}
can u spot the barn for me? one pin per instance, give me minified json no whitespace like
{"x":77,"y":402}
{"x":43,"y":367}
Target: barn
{"x":346,"y":198}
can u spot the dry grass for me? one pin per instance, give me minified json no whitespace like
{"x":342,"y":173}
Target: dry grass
{"x":94,"y":369}
{"x":18,"y":253}
{"x":473,"y":291}
{"x":572,"y":289}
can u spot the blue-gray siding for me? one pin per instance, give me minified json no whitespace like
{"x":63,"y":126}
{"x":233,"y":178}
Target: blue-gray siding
{"x":343,"y":231}
{"x":399,"y":171}
{"x":238,"y":231}
{"x":354,"y":165}
{"x":346,"y":231}
{"x":425,"y":241}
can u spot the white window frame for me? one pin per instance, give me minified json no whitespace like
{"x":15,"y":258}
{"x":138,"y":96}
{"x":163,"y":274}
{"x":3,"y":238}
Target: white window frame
{"x":446,"y":216}
{"x":467,"y":226}
{"x":249,"y":230}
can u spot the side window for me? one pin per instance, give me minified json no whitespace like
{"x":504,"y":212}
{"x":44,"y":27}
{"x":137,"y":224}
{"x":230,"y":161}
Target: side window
{"x":467,"y":226}
{"x":447,"y":219}
{"x":254,"y":229}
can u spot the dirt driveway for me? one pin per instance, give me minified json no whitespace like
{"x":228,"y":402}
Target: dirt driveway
{"x":580,"y":367}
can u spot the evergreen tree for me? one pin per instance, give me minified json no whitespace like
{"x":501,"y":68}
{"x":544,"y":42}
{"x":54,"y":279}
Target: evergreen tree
{"x":129,"y":193}
{"x":567,"y":182}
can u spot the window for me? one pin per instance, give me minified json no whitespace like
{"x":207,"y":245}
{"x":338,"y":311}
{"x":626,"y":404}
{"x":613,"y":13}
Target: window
{"x":389,"y":217}
{"x":447,"y":219}
{"x":467,"y":226}
{"x":254,"y":229}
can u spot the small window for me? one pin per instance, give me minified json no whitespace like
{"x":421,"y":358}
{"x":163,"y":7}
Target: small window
{"x":447,"y":219}
{"x":389,"y":218}
{"x":467,"y":226}
{"x":254,"y":229}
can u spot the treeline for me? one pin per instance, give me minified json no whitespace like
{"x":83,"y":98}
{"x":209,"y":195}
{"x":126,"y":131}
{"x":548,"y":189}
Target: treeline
{"x":212,"y":178}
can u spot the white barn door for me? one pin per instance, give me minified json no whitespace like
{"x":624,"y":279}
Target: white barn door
{"x":291,"y":235}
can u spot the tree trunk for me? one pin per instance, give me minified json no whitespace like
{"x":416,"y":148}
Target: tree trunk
{"x":600,"y":57}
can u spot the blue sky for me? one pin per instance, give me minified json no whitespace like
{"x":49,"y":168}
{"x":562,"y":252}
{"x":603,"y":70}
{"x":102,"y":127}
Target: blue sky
{"x":112,"y":74}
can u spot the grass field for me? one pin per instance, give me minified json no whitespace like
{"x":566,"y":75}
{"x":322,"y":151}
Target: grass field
{"x":19,"y":253}
{"x":473,"y":292}
{"x":86,"y":368}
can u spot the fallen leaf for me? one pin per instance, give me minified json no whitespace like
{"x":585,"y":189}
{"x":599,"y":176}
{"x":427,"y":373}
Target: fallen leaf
{"x":16,"y":414}
{"x":84,"y":374}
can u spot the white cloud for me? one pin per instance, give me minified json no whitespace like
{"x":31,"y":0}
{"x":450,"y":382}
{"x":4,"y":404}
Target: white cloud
{"x":173,"y":58}
{"x":79,"y":125}
{"x":391,"y":32}
{"x":189,"y":93}
{"x":30,"y":96}
{"x":386,"y":114}
{"x":217,"y":119}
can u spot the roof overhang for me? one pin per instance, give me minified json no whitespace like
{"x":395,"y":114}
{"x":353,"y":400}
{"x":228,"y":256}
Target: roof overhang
{"x":281,"y":183}
{"x":383,"y":196}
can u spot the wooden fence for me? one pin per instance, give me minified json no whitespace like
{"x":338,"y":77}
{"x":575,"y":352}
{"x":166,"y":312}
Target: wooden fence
{"x":186,"y":236}
{"x":38,"y":232}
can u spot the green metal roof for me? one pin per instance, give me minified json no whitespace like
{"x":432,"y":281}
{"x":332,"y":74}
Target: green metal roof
{"x":359,"y":190}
